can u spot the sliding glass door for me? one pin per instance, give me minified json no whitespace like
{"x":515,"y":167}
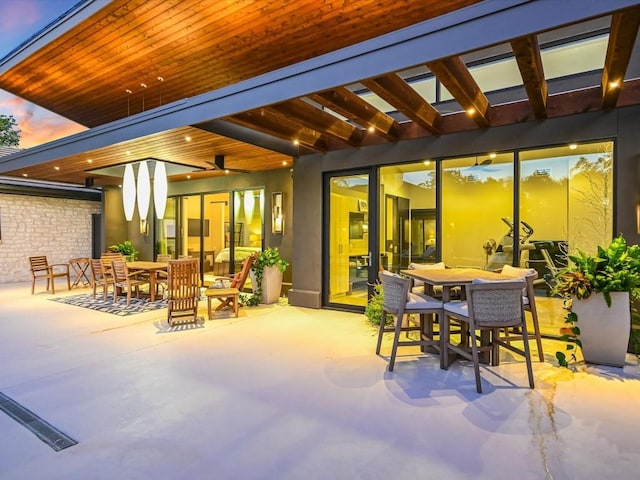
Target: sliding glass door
{"x":347,"y":240}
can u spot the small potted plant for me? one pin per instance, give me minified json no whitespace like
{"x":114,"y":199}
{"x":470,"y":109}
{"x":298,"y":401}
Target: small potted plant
{"x":266,"y":275}
{"x":126,"y":249}
{"x":597,"y":290}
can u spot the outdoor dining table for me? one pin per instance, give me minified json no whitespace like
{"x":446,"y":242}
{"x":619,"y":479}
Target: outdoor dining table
{"x":447,"y":278}
{"x":153,"y":268}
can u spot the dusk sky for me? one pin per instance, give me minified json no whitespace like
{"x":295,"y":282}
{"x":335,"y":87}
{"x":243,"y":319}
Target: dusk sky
{"x":19,"y":20}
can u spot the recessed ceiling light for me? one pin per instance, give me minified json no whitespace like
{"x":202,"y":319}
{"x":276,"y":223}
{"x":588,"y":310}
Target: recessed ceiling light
{"x":25,"y":175}
{"x":471,"y":111}
{"x":143,"y":85}
{"x":89,"y":160}
{"x":573,"y":146}
{"x":188,"y":177}
{"x":128,"y":91}
{"x":427,"y":162}
{"x":160,"y":79}
{"x":187,"y":138}
{"x":371,"y":129}
{"x":284,"y":162}
{"x":296,"y":141}
{"x":128,"y":152}
{"x":226,"y":172}
{"x":614,"y":84}
{"x":492,"y":155}
{"x":56,"y":168}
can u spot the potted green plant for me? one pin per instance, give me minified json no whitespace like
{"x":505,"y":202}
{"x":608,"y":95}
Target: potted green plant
{"x":126,"y":249}
{"x":266,"y":275}
{"x":597,"y":290}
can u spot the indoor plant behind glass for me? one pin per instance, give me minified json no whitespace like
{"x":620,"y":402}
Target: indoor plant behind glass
{"x":598,"y":289}
{"x":126,"y":249}
{"x":266,"y":275}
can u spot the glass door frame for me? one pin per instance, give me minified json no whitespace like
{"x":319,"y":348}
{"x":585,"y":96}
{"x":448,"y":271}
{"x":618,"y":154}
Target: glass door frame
{"x":373,"y":195}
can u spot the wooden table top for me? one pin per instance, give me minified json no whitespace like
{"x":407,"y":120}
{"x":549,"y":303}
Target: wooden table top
{"x":143,"y":265}
{"x":452,"y":276}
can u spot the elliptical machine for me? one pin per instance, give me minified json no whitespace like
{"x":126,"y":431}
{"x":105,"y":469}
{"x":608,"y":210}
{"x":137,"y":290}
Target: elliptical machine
{"x":499,"y":254}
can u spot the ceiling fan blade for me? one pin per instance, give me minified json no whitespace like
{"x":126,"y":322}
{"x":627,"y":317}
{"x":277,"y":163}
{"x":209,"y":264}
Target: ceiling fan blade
{"x":488,"y":161}
{"x":218,"y":164}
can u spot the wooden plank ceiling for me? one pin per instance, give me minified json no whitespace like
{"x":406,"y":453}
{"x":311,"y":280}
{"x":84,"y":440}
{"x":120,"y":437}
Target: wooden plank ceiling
{"x":199,"y":46}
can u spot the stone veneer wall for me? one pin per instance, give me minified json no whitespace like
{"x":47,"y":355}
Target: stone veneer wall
{"x":59,"y":228}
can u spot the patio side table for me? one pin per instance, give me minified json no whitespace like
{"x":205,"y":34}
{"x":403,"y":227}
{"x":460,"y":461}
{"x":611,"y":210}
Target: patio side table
{"x":80,"y":270}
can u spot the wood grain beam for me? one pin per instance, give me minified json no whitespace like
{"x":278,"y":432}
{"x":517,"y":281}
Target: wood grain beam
{"x":394,"y":90}
{"x":527,"y":53}
{"x":622,"y":37}
{"x":454,"y":75}
{"x":348,"y":104}
{"x":319,"y":120}
{"x":274,"y":123}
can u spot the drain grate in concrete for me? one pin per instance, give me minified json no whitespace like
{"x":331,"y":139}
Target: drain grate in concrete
{"x":39,"y":427}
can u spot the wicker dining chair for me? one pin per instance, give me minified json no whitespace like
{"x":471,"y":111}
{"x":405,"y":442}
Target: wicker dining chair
{"x":398,"y":300}
{"x":490,"y":306}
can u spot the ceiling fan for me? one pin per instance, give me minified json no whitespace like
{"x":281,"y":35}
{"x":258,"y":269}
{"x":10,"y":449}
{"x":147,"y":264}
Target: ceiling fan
{"x":218,"y":164}
{"x":487,"y":161}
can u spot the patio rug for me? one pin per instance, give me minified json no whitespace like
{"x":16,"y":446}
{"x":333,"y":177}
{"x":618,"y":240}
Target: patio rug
{"x":138,"y":305}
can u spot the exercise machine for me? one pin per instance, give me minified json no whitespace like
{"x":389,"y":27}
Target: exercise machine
{"x":499,"y":254}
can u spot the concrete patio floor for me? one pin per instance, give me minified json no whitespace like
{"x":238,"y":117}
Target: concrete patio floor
{"x":291,"y":393}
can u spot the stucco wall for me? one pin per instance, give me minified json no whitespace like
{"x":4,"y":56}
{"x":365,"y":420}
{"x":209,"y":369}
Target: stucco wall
{"x":56,"y":227}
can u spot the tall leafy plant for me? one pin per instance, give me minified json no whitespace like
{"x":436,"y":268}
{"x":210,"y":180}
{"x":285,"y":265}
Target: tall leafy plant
{"x":613,"y":269}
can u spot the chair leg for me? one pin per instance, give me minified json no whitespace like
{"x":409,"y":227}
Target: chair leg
{"x":536,"y":331}
{"x":396,"y":339}
{"x":53,"y":285}
{"x":444,"y":341}
{"x":476,"y":360}
{"x":383,"y":320}
{"x":68,"y":282}
{"x":527,"y":354}
{"x":33,"y":285}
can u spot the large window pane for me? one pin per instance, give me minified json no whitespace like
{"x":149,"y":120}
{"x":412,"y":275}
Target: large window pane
{"x":566,"y":195}
{"x":477,"y":206}
{"x":408,"y":215}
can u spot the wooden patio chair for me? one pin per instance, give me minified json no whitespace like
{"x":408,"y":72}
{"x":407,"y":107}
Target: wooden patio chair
{"x":183,"y":289}
{"x":99,"y":279}
{"x":237,"y":281}
{"x":123,"y":279}
{"x":40,"y":269}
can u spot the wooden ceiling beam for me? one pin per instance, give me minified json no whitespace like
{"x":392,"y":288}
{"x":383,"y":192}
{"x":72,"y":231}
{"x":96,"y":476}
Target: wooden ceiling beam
{"x":455,"y":76}
{"x":622,"y":38}
{"x":527,"y":53}
{"x":319,"y":120}
{"x":348,"y":104}
{"x":394,"y":90}
{"x":272,"y":122}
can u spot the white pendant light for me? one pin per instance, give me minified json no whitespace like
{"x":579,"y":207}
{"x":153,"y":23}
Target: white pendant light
{"x":128,"y":192}
{"x":160,"y":189}
{"x":144,"y":190}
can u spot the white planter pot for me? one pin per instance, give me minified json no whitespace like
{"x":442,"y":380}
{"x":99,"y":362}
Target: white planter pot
{"x":604,"y":331}
{"x":271,"y":284}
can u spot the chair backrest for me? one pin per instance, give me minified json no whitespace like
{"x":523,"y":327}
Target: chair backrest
{"x":395,"y":291}
{"x":39,"y":262}
{"x":495,"y":303}
{"x":527,"y":274}
{"x":97,"y":272}
{"x":240,"y":278}
{"x":163,"y":257}
{"x":119,"y":270}
{"x":183,"y":279}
